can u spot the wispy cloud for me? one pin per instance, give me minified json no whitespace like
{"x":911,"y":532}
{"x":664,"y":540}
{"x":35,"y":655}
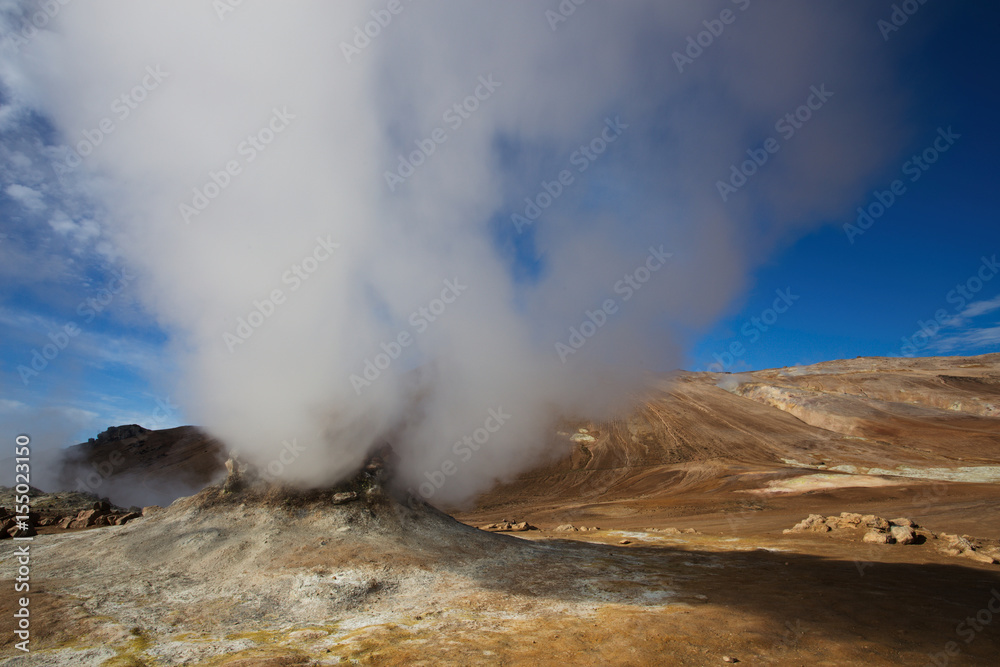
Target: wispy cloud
{"x":31,"y":199}
{"x":971,"y":339}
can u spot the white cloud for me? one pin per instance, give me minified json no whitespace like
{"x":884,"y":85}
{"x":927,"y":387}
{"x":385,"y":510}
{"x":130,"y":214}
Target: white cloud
{"x":30,"y":199}
{"x":81,"y":232}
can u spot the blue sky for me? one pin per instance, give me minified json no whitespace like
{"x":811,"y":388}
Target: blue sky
{"x":863,"y":298}
{"x":846,"y":295}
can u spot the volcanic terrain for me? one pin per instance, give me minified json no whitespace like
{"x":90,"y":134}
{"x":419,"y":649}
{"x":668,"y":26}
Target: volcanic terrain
{"x":842,"y":513}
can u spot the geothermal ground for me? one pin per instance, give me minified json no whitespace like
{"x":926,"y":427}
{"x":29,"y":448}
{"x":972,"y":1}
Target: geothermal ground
{"x":843,"y":513}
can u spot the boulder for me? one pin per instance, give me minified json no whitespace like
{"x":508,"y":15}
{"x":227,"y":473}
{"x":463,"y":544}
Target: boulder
{"x":878,"y":537}
{"x":909,"y":523}
{"x":903,"y":534}
{"x":876,"y":522}
{"x":65,"y":522}
{"x":813,"y":522}
{"x":507,"y":526}
{"x":22,"y":532}
{"x":979,"y":557}
{"x":125,"y":518}
{"x":88,"y":518}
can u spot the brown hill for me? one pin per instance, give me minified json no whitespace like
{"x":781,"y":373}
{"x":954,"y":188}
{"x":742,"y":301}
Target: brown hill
{"x":724,"y":443}
{"x":136,"y":466}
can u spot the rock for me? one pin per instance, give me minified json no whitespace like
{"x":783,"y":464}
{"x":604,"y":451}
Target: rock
{"x":877,"y":537}
{"x":690,"y":531}
{"x":102,"y":506}
{"x":624,"y":541}
{"x":87,"y":518}
{"x":522,"y":526}
{"x":151,"y":509}
{"x":345,"y":497}
{"x":119,"y":433}
{"x":22,"y":532}
{"x":495,"y":527}
{"x":903,"y":534}
{"x":65,"y":522}
{"x":850,"y":519}
{"x":729,"y":658}
{"x":979,"y":557}
{"x":876,"y":522}
{"x":960,"y":543}
{"x":813,"y":522}
{"x":909,"y":523}
{"x":507,"y":526}
{"x":125,"y":518}
{"x":566,"y":528}
{"x":104,"y":520}
{"x":240,"y":473}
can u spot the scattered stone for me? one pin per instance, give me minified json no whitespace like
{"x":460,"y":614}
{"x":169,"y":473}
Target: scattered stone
{"x":566,"y":528}
{"x":729,"y":658}
{"x":345,"y":497}
{"x":624,"y":541}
